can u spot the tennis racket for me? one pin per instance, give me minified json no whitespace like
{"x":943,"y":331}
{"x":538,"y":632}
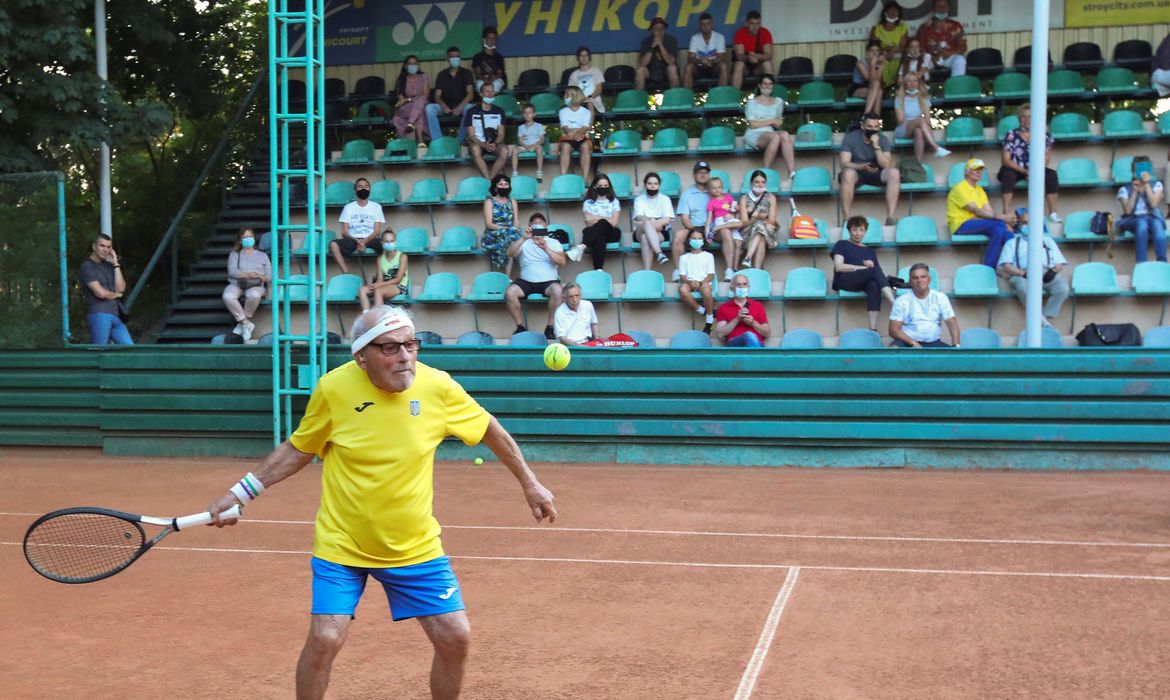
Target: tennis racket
{"x":83,"y":545}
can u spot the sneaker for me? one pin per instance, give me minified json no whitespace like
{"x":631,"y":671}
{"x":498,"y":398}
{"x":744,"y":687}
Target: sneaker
{"x":239,"y":329}
{"x":576,"y":252}
{"x":709,"y":318}
{"x":540,"y":176}
{"x":1046,"y":323}
{"x":515,"y":173}
{"x":728,"y":273}
{"x":702,"y":311}
{"x":662,"y":258}
{"x":707,"y":328}
{"x":674,"y":275}
{"x":891,"y":221}
{"x":247,"y":328}
{"x":941,"y":152}
{"x":747,"y":263}
{"x":1055,"y":218}
{"x":548,"y":333}
{"x":520,"y":328}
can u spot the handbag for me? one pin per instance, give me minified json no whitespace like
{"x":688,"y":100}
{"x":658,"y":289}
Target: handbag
{"x":802,"y":226}
{"x":1110,"y":334}
{"x":248,"y":282}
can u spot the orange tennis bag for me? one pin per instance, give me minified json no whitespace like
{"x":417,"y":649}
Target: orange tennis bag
{"x":802,"y":226}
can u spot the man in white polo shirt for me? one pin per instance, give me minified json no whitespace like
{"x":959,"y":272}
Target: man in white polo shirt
{"x":575,"y":320}
{"x":707,"y":54}
{"x":917,"y":318}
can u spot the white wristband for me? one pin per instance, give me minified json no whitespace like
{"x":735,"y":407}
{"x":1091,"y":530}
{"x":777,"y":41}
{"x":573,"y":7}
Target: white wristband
{"x":247,"y":489}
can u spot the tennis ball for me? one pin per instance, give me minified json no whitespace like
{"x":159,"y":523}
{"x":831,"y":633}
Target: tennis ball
{"x":478,"y":461}
{"x":556,"y":357}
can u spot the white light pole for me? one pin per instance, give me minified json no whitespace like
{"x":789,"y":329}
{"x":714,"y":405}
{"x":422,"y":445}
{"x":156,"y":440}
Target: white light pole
{"x":99,"y":32}
{"x":1036,"y":167}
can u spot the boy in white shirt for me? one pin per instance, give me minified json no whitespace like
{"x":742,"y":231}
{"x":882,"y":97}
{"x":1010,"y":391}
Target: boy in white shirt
{"x":529,"y":139}
{"x":359,"y":226}
{"x":696,"y":273}
{"x":706,"y":54}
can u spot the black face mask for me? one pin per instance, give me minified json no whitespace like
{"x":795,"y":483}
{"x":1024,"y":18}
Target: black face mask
{"x":363,"y":194}
{"x":868,"y":134}
{"x":503,"y":191}
{"x":651,"y":193}
{"x":602,"y":190}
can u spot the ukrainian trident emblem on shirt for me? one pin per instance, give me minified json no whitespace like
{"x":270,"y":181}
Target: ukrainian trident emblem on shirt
{"x":415,"y":408}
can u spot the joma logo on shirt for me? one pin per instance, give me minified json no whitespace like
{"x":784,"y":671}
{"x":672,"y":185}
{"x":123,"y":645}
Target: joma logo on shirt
{"x":364,"y":406}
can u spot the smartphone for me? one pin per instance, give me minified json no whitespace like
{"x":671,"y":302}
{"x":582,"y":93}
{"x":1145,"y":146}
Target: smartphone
{"x":539,"y":231}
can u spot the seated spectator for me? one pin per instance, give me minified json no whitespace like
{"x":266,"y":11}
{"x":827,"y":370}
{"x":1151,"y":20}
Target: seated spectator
{"x":488,"y":64}
{"x":1013,"y":264}
{"x":944,"y":39}
{"x":575,"y":321}
{"x":856,"y":269}
{"x":590,"y":80}
{"x":892,"y":34}
{"x":917,"y":318}
{"x":529,"y":139}
{"x":865,"y":160}
{"x":912,"y":108}
{"x":741,"y":321}
{"x":752,"y":45}
{"x":867,"y":78}
{"x":359,"y":225}
{"x":765,"y":121}
{"x":576,"y":120}
{"x":707,"y":54}
{"x":484,"y":125}
{"x":697,"y":274}
{"x":410,"y":118}
{"x":970,"y":214}
{"x":657,"y":58}
{"x":1140,"y":214}
{"x":454,"y":91}
{"x":692,"y":212}
{"x":539,"y":259}
{"x":392,"y":277}
{"x":499,"y":224}
{"x":249,"y":272}
{"x":652,"y":215}
{"x":1016,"y":147}
{"x":916,"y":61}
{"x":758,"y":207}
{"x":102,"y":283}
{"x":723,"y":224}
{"x":603,"y":213}
{"x":1160,"y":75}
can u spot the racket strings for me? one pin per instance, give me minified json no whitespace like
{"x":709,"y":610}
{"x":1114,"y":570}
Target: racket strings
{"x":80,"y":546}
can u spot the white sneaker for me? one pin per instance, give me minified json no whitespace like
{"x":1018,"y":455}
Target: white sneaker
{"x":747,"y":262}
{"x":248,"y":327}
{"x":576,"y":252}
{"x":941,"y":152}
{"x":728,"y":273}
{"x":702,"y":311}
{"x":239,"y":329}
{"x":674,"y":275}
{"x":662,"y":258}
{"x":1055,"y":218}
{"x":709,"y":318}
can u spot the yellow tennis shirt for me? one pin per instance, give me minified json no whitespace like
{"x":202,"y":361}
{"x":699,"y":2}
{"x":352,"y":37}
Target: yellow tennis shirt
{"x":377,"y":485}
{"x":958,"y":198}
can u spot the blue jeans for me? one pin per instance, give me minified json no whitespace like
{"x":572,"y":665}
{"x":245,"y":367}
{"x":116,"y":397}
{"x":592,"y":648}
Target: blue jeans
{"x":106,"y":327}
{"x":997,"y":233}
{"x":433,"y":111}
{"x":1150,"y":225}
{"x":746,"y":340}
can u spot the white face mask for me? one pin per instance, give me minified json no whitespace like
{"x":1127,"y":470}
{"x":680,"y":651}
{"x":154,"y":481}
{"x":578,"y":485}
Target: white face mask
{"x":412,"y":68}
{"x":759,"y":191}
{"x":568,"y":101}
{"x":489,"y":46}
{"x":765,"y":90}
{"x":940,"y":16}
{"x":893,"y":20}
{"x":912,"y":92}
{"x":488,"y":100}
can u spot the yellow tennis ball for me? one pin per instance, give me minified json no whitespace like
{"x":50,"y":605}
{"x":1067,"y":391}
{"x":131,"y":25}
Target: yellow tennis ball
{"x":478,"y":461}
{"x":556,"y":357}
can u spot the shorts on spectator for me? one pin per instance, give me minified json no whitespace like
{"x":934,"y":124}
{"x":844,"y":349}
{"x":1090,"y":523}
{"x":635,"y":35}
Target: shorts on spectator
{"x":348,"y":246}
{"x":530,"y":288}
{"x":576,"y":144}
{"x":1008,"y":177}
{"x":865,"y":178}
{"x":710,"y":72}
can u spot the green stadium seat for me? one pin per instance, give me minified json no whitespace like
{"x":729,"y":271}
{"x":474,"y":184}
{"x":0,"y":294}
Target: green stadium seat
{"x":671,"y":140}
{"x":690,"y":339}
{"x":723,"y":97}
{"x":821,"y":241}
{"x":570,"y":187}
{"x":1077,"y":172}
{"x":413,"y":240}
{"x":644,"y":285}
{"x":873,"y":232}
{"x":457,"y":240}
{"x":1012,"y":85}
{"x":443,"y":148}
{"x":296,"y":289}
{"x":1076,"y":227}
{"x":817,"y":93}
{"x":964,"y":130}
{"x":679,"y":99}
{"x":631,"y":102}
{"x":1124,"y":124}
{"x":958,"y":172}
{"x":1151,"y":278}
{"x":386,"y":192}
{"x":372,"y":113}
{"x":770,"y":174}
{"x":1095,"y":279}
{"x":802,"y":339}
{"x":670,"y":184}
{"x":429,"y":190}
{"x":925,"y":186}
{"x":440,"y":288}
{"x":546,"y":104}
{"x":1008,"y":123}
{"x":621,"y":184}
{"x":509,"y":104}
{"x":1157,"y":337}
{"x":399,"y":151}
{"x":642,"y":338}
{"x":356,"y":152}
{"x":1065,"y":83}
{"x":1164,"y":124}
{"x":338,"y":194}
{"x":962,"y":87}
{"x":859,"y":339}
{"x":904,"y":273}
{"x":475,"y":339}
{"x":342,"y":289}
{"x":1070,"y":126}
{"x":813,"y":136}
{"x":1116,"y":80}
{"x":488,"y":287}
{"x":472,"y":190}
{"x":524,"y":188}
{"x":728,"y":183}
{"x":916,"y":230}
{"x":717,"y":139}
{"x":1049,"y":338}
{"x":976,"y":281}
{"x":980,"y":339}
{"x":759,"y":283}
{"x":527,"y":339}
{"x":596,"y":285}
{"x":325,"y":238}
{"x":626,"y":142}
{"x":568,"y":231}
{"x":805,"y":283}
{"x":811,"y":180}
{"x":1122,"y":170}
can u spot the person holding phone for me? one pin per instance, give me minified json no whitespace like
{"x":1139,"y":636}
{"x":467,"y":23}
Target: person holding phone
{"x":865,"y":160}
{"x":1140,"y":215}
{"x":540,"y":260}
{"x":103,"y":285}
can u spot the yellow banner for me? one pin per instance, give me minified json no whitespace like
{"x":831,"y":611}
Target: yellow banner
{"x":1114,"y":13}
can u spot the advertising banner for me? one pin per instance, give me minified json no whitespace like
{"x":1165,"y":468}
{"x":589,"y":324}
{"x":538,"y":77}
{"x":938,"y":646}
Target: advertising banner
{"x":1114,"y":13}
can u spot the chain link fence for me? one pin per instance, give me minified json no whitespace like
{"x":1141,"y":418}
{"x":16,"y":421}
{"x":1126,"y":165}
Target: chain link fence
{"x":33,"y":287}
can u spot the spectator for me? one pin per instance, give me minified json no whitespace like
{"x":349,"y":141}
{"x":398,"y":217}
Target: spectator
{"x":741,"y":320}
{"x":1160,"y":75}
{"x":867,"y":77}
{"x":707,"y":54}
{"x":917,"y":318}
{"x":1016,"y":147}
{"x":856,"y":269}
{"x":752,"y":45}
{"x":865,"y":160}
{"x":723,"y":224}
{"x":602,"y":212}
{"x":410,"y":111}
{"x":575,"y":321}
{"x":970,"y":214}
{"x":539,"y":260}
{"x":359,"y":225}
{"x":392,"y":277}
{"x":576,"y":121}
{"x":249,"y":272}
{"x":692,"y":211}
{"x":488,"y":64}
{"x":499,"y":223}
{"x":912,"y":108}
{"x":454,"y":91}
{"x":765,"y":120}
{"x":589,"y":79}
{"x":916,"y":61}
{"x":103,"y":285}
{"x":1140,"y":215}
{"x":1013,"y":264}
{"x":652,"y":215}
{"x":529,"y":139}
{"x":484,"y":125}
{"x":697,"y":274}
{"x":657,"y":58}
{"x":892,"y":34}
{"x":760,"y":232}
{"x":944,"y":39}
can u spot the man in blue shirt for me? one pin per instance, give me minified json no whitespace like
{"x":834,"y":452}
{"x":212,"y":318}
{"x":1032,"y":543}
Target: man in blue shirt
{"x":692,"y":212}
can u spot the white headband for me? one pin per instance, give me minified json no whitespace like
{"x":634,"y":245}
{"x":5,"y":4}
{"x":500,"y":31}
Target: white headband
{"x":389,"y":323}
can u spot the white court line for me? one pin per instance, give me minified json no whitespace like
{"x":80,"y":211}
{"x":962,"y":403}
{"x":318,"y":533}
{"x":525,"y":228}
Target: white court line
{"x":752,"y":673}
{"x":762,"y":535}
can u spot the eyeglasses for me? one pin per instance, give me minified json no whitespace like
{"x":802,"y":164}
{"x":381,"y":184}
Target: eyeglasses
{"x":391,"y":348}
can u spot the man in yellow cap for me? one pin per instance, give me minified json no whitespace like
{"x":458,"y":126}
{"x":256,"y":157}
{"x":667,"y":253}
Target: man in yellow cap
{"x":969,"y":214}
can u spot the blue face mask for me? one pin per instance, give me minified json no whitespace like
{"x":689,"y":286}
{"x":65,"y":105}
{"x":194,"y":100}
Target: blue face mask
{"x":568,"y":101}
{"x":696,"y":243}
{"x":454,"y":61}
{"x":488,"y":100}
{"x":741,"y":292}
{"x":391,"y":246}
{"x":248,"y":242}
{"x":1024,"y":229}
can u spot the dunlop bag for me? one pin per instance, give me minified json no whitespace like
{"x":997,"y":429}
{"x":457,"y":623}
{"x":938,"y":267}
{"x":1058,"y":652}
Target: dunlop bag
{"x":1109,"y":334}
{"x":802,"y":226}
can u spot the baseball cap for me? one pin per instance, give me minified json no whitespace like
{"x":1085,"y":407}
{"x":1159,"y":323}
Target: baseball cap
{"x":658,"y":20}
{"x":702,"y":165}
{"x":975,"y":164}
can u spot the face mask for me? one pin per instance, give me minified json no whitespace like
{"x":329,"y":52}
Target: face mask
{"x":893,"y":20}
{"x":912,"y":92}
{"x":454,"y":61}
{"x":868,"y":134}
{"x":696,"y":243}
{"x":602,"y":190}
{"x":489,"y":46}
{"x":940,"y":16}
{"x":363,"y":194}
{"x":765,"y":89}
{"x":412,"y":68}
{"x":1024,"y":229}
{"x":651,"y":193}
{"x":391,"y":246}
{"x":248,"y":242}
{"x":759,"y":191}
{"x":488,"y":100}
{"x":741,"y":292}
{"x":568,"y":101}
{"x":503,"y":191}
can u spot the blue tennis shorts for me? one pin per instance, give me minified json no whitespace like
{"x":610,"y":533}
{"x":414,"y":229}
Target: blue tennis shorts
{"x":418,"y":590}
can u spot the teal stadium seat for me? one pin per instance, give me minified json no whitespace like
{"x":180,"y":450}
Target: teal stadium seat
{"x":626,"y":142}
{"x":399,"y":151}
{"x":957,"y":174}
{"x":728,"y":184}
{"x":386,"y":192}
{"x":509,"y":104}
{"x":962,"y":87}
{"x":770,"y":174}
{"x":440,"y":288}
{"x":859,"y":339}
{"x":669,"y":141}
{"x":570,"y":187}
{"x":372,"y":113}
{"x":631,"y":102}
{"x":1151,"y":278}
{"x":976,"y":281}
{"x":443,"y":148}
{"x":669,"y":183}
{"x":805,"y":283}
{"x":1065,"y":83}
{"x":1076,"y":227}
{"x":873,"y":232}
{"x":723,"y":97}
{"x":642,"y":338}
{"x":821,"y":241}
{"x":817,"y":93}
{"x":802,"y":339}
{"x":759,"y":283}
{"x":717,"y":139}
{"x":621,"y":184}
{"x":324,"y":237}
{"x":296,"y":289}
{"x":457,"y":240}
{"x":916,"y":230}
{"x":964,"y":131}
{"x":980,"y":339}
{"x":904,"y":273}
{"x":338,"y":194}
{"x":342,"y":289}
{"x":1077,"y":172}
{"x":1116,"y":80}
{"x":813,"y":136}
{"x":644,"y":285}
{"x":679,"y":99}
{"x":429,"y":190}
{"x":1049,"y":338}
{"x":413,"y":240}
{"x":546,"y":104}
{"x":356,"y":152}
{"x":690,"y":339}
{"x":1123,"y":170}
{"x":568,"y":230}
{"x":1095,"y":279}
{"x":1012,"y":85}
{"x":926,"y":185}
{"x":528,"y":339}
{"x":1157,"y":337}
{"x":475,"y":339}
{"x":1005,"y":125}
{"x":524,"y":188}
{"x":1070,"y":126}
{"x":488,"y":287}
{"x":472,"y":190}
{"x":1124,"y":124}
{"x":811,"y":180}
{"x":596,"y":285}
{"x":1164,"y":124}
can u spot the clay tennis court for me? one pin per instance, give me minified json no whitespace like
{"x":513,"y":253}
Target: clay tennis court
{"x":656,"y":582}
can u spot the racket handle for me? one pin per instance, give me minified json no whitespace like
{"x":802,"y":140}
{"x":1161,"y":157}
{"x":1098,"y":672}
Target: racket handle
{"x":204,"y":518}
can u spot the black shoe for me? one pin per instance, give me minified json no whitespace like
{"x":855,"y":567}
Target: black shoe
{"x":707,"y":328}
{"x":519,"y":329}
{"x":548,"y":333}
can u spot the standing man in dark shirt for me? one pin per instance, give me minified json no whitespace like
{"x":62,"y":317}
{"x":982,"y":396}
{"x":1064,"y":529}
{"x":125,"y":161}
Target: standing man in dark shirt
{"x":454,"y":90}
{"x":103,"y":285}
{"x":488,"y":64}
{"x":657,"y":58}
